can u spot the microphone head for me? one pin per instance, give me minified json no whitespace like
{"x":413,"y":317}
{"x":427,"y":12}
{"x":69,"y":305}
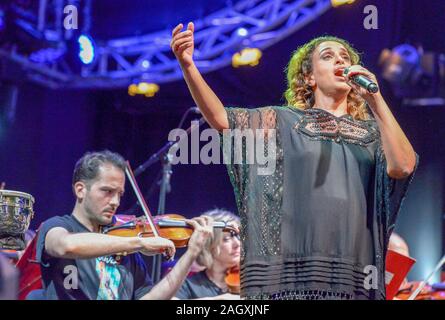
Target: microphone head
{"x":195,"y":110}
{"x":373,"y":88}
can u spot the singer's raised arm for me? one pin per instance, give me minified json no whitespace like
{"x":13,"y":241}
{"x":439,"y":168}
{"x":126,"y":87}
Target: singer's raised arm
{"x":211,"y":107}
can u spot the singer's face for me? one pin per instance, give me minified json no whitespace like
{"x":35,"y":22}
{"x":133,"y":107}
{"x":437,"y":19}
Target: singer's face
{"x":329,"y":60}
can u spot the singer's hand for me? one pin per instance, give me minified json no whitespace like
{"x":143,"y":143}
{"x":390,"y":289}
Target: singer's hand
{"x":359,"y":70}
{"x":183,"y":43}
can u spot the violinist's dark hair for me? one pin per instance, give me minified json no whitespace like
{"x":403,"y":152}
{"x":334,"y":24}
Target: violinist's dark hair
{"x":87,"y":167}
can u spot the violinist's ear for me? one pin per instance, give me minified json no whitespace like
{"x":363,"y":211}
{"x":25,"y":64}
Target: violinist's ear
{"x":80,"y":190}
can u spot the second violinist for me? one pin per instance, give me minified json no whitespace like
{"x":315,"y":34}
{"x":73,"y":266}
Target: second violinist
{"x":220,"y":256}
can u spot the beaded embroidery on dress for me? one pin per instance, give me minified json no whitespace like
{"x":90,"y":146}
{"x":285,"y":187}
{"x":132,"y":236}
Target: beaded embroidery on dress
{"x":318,"y":124}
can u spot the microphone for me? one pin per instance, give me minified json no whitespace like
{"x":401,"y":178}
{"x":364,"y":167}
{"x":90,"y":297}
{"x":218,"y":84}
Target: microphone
{"x":184,"y":116}
{"x":363,"y":82}
{"x":195,"y":110}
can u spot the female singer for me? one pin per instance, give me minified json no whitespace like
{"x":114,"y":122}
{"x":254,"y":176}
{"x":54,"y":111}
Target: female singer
{"x":318,"y":227}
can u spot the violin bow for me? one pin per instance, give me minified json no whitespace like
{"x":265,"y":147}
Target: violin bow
{"x":137,"y":191}
{"x":424,"y":282}
{"x":164,"y":222}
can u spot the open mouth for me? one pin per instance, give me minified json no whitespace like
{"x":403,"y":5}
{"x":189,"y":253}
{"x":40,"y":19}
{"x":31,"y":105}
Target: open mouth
{"x":339,"y":72}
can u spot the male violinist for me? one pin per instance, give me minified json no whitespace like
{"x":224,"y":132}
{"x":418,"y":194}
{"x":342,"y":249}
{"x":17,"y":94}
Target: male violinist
{"x":78,"y":262}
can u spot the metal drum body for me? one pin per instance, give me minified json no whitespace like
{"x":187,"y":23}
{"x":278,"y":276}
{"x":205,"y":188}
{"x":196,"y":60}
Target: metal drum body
{"x":16,"y":212}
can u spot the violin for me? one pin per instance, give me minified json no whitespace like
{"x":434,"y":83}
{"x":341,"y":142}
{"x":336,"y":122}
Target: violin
{"x":426,"y":293}
{"x":169,"y":226}
{"x":232,"y":280}
{"x":421,"y":290}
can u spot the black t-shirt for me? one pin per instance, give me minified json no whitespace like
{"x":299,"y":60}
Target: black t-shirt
{"x":103,"y":278}
{"x":198,"y":286}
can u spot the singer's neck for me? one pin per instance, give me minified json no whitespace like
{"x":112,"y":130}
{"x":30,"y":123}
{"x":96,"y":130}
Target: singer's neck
{"x":337,"y":105}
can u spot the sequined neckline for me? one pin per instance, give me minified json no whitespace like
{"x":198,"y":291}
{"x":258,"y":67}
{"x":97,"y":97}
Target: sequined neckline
{"x":315,"y":111}
{"x":319,"y":124}
{"x":319,"y":110}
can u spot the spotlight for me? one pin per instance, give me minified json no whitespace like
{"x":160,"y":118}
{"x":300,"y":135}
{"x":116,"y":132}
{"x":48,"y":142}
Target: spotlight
{"x":414,"y":74}
{"x":143,"y":88}
{"x":247,"y":56}
{"x":400,"y":63}
{"x":242,"y":32}
{"x":338,"y":3}
{"x":145,"y":64}
{"x":86,"y":49}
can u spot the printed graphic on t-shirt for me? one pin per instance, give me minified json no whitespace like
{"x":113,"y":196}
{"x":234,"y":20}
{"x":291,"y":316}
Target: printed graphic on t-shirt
{"x":109,"y":277}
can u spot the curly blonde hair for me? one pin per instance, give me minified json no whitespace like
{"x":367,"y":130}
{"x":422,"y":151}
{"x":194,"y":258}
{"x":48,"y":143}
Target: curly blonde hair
{"x":299,"y":94}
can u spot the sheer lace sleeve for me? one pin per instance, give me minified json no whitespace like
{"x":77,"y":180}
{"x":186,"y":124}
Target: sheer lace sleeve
{"x":238,"y":156}
{"x":257,"y":185}
{"x":243,"y":118}
{"x":390,"y":192}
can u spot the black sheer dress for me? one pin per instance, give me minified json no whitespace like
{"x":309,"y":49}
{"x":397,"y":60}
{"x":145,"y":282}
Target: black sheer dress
{"x":320,"y":224}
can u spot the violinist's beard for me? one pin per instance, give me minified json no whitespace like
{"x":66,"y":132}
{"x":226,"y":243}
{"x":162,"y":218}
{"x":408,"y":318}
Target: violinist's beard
{"x":104,"y":218}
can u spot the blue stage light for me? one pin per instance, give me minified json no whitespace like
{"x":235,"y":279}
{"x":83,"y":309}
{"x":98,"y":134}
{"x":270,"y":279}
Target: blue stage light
{"x":242,"y":32}
{"x":146,"y":64}
{"x":2,"y":20}
{"x":86,"y":49}
{"x":47,"y":54}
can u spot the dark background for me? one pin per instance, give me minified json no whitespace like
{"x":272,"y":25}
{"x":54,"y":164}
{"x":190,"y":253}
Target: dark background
{"x":53,"y":128}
